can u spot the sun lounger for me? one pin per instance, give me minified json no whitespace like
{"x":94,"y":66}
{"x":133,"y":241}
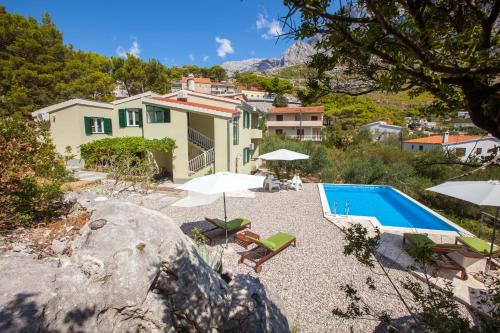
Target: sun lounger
{"x":422,"y":241}
{"x":265,"y":249}
{"x":478,"y":245}
{"x":220,"y":227}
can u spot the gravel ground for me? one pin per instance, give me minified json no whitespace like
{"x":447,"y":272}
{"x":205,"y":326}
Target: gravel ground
{"x":306,"y":278}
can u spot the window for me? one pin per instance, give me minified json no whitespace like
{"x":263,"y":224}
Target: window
{"x":421,"y":148}
{"x":479,"y":151}
{"x":279,"y":117}
{"x":460,"y":151}
{"x":246,"y":119}
{"x":158,"y":115}
{"x":133,"y":118}
{"x":300,"y":132}
{"x":236,"y":131}
{"x":279,"y":131}
{"x":314,"y":118}
{"x":95,"y":125}
{"x":130,"y":117}
{"x":246,"y":155}
{"x":297,"y":117}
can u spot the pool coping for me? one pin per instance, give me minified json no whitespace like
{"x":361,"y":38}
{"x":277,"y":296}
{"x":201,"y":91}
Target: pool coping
{"x":375,"y":222}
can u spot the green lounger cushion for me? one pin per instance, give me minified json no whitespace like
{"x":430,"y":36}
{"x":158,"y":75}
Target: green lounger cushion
{"x":477,"y":245}
{"x":420,"y":240}
{"x":275,"y":242}
{"x":231,"y":225}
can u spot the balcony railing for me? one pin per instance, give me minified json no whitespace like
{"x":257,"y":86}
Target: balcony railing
{"x":294,"y":123}
{"x":314,"y":137}
{"x":202,"y":160}
{"x":200,"y":139}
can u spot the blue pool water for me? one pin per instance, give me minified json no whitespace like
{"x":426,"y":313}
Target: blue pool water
{"x":389,"y":207}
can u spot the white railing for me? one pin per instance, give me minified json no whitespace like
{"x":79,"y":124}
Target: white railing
{"x":316,"y":137}
{"x":202,"y":160}
{"x":294,"y":123}
{"x":200,"y":139}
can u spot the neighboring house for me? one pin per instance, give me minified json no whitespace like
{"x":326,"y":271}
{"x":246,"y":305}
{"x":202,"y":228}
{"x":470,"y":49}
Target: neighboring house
{"x":463,"y":114}
{"x":303,"y":123}
{"x":203,"y":85}
{"x":212,"y":133}
{"x":381,"y":129}
{"x":464,"y":124}
{"x":465,"y":146}
{"x":264,"y":100}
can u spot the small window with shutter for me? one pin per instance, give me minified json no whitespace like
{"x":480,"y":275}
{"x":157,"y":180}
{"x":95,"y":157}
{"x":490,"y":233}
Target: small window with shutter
{"x":94,"y":125}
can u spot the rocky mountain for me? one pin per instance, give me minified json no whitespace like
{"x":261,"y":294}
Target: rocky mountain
{"x":296,"y":54}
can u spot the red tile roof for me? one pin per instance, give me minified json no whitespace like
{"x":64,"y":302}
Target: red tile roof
{"x":298,"y":109}
{"x":438,"y":139}
{"x":198,"y":105}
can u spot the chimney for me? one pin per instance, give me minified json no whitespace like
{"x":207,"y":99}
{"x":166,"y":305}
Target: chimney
{"x":446,"y":136}
{"x":190,"y":82}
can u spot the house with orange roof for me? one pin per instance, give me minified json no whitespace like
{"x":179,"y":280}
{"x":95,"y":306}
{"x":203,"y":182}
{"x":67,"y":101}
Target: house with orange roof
{"x":212,"y":133}
{"x":302,"y":122}
{"x":464,"y":146}
{"x":203,"y":85}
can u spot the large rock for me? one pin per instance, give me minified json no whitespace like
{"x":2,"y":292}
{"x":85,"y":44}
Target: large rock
{"x":251,"y":65}
{"x":135,"y":272}
{"x":298,"y":53}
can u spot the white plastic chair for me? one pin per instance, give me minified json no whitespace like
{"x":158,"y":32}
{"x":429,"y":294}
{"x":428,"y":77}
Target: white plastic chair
{"x":296,"y":183}
{"x":273,"y":183}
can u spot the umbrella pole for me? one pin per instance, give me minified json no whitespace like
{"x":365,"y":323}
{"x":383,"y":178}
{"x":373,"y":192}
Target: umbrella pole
{"x":225,"y":215}
{"x":492,"y":239}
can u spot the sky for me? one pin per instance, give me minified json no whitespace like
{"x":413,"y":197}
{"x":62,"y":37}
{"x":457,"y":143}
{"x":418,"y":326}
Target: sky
{"x":181,"y":32}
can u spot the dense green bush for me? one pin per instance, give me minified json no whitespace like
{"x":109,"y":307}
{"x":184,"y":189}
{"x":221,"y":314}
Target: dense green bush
{"x":280,"y":101}
{"x":100,"y":153}
{"x":31,"y":173}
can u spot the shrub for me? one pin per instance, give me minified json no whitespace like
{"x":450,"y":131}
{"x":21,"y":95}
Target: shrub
{"x":280,"y":101}
{"x":101,"y":153}
{"x":31,"y":173}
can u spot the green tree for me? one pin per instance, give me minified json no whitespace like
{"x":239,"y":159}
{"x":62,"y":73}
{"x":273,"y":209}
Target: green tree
{"x":217,"y":73}
{"x":157,"y":78}
{"x":280,"y":101}
{"x":448,"y":48}
{"x":130,"y":72}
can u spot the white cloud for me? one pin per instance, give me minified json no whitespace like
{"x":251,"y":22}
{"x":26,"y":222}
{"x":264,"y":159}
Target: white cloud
{"x":191,"y":57}
{"x":205,"y":58}
{"x":273,"y":28}
{"x":134,"y":50}
{"x":224,"y":47}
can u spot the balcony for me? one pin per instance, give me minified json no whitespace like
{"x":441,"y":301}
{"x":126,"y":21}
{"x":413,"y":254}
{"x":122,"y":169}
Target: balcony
{"x":256,"y":133}
{"x":314,"y":137}
{"x":294,"y":123}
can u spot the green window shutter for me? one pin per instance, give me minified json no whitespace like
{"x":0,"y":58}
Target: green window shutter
{"x":88,"y":125}
{"x":122,"y":118}
{"x":107,"y":126}
{"x":139,"y":113}
{"x":166,"y":116}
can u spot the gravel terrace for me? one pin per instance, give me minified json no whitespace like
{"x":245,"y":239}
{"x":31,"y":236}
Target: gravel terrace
{"x":306,"y":278}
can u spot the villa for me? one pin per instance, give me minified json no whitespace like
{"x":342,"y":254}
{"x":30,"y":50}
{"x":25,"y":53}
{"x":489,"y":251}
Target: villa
{"x":203,"y":85}
{"x":464,"y":146}
{"x":381,"y":129}
{"x":303,"y":123}
{"x":212,"y":133}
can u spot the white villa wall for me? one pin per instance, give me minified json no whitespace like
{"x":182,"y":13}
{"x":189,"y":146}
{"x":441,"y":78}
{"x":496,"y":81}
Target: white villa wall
{"x":470,"y":147}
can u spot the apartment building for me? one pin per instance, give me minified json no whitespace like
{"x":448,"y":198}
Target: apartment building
{"x":212,"y":133}
{"x":302,"y":123}
{"x":203,"y":85}
{"x":464,"y":146}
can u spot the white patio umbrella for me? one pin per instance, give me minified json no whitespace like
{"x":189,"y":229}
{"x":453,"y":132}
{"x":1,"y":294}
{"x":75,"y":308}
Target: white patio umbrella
{"x":482,"y":193}
{"x":222,"y":182}
{"x":283,"y":155}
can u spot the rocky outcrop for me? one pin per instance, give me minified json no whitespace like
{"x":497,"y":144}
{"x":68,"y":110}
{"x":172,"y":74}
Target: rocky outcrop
{"x":130,"y":269}
{"x":251,"y":65}
{"x":298,"y":53}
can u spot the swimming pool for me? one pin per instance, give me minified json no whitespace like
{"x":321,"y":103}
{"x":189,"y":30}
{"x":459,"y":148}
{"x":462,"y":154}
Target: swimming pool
{"x":391,"y":208}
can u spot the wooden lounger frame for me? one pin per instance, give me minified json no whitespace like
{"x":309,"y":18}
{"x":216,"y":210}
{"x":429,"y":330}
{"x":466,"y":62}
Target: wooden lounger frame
{"x":213,"y":233}
{"x":259,"y":254}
